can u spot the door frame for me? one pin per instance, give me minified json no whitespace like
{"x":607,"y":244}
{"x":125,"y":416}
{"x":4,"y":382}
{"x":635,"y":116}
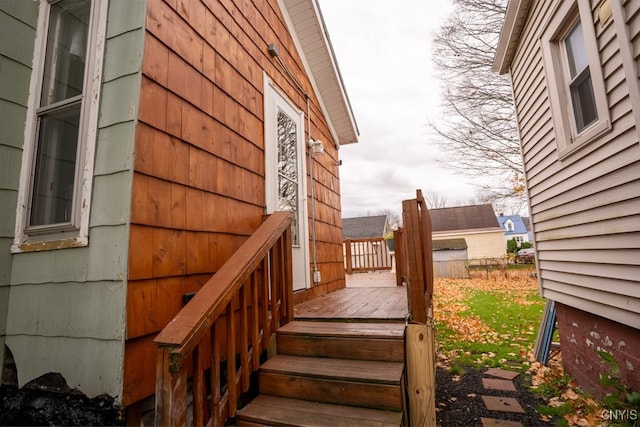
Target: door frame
{"x":274,"y":99}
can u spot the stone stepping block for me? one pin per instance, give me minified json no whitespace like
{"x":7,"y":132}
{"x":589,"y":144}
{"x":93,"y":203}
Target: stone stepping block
{"x":501,"y":373}
{"x":492,"y":422}
{"x":496,"y":384}
{"x":502,"y":404}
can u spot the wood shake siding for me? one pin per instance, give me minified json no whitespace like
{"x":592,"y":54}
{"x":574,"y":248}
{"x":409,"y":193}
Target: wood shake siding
{"x":199,"y":180}
{"x":585,"y":208}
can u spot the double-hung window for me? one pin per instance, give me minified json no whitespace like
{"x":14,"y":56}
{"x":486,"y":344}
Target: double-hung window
{"x":61,"y":127}
{"x":574,"y":76}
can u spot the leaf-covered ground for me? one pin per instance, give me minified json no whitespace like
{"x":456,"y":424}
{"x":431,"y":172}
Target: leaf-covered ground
{"x":492,"y":321}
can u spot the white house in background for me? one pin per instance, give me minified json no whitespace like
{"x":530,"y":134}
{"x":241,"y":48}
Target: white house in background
{"x":476,"y":224}
{"x":574,"y":68}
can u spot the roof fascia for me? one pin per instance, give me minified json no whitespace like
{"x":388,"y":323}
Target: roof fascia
{"x":348,"y":133}
{"x":510,"y":34}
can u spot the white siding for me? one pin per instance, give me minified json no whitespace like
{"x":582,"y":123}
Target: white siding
{"x":585,"y":209}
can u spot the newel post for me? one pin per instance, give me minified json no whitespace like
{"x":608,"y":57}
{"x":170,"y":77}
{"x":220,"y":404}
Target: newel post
{"x":347,"y":252}
{"x":419,"y":338}
{"x":171,"y":391}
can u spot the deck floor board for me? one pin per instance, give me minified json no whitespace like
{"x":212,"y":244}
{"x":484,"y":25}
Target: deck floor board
{"x":357,"y":303}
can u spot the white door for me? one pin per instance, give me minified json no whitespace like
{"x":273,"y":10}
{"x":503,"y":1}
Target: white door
{"x":285,"y":175}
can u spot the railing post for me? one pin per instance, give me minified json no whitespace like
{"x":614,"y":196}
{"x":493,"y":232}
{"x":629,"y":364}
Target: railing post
{"x":171,"y":391}
{"x":347,"y":256}
{"x":419,"y":339}
{"x":288,"y":274}
{"x":399,"y":248}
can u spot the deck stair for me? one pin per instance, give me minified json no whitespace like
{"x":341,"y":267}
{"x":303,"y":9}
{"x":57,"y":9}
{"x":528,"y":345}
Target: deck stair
{"x":331,"y":374}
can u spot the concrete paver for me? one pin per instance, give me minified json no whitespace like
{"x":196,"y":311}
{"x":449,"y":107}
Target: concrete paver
{"x":496,"y":384}
{"x":493,"y":422}
{"x":501,"y":373}
{"x":502,"y":404}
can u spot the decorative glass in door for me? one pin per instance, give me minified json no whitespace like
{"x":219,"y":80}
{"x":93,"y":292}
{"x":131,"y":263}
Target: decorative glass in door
{"x":288,"y":176}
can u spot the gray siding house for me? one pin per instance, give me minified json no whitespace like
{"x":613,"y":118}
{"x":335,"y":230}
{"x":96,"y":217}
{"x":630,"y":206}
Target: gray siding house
{"x":574,"y":67}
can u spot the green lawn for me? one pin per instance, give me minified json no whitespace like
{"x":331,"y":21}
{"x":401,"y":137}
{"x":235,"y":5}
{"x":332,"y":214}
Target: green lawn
{"x":488,"y":322}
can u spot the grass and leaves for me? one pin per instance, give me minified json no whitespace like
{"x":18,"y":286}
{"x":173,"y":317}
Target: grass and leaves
{"x":487,"y":321}
{"x":493,"y":321}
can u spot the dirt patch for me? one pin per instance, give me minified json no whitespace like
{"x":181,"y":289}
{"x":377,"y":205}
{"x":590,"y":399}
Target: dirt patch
{"x":459,"y":401}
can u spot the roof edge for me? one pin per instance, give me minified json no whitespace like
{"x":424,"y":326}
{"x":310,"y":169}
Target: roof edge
{"x":510,"y":34}
{"x":347,"y":132}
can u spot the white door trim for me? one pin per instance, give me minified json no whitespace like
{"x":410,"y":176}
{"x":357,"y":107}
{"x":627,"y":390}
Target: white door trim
{"x":274,"y":100}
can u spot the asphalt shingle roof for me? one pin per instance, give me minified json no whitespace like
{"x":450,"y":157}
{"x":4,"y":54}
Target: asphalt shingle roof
{"x":463,"y":218}
{"x":363,"y":227}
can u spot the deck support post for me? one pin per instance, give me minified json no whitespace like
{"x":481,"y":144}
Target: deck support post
{"x":419,"y":351}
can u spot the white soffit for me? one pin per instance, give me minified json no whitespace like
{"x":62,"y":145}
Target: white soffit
{"x":312,"y":40}
{"x":510,"y":34}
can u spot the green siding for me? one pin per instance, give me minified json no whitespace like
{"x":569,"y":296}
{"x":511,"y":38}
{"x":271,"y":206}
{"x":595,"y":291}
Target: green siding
{"x":8,"y":200}
{"x":5,"y":265}
{"x":53,"y":266}
{"x":111,"y":199}
{"x":17,"y":35}
{"x":34,"y":310}
{"x":24,"y":11}
{"x":116,"y":146}
{"x":10,"y":171}
{"x":120,"y":100}
{"x":125,"y":16}
{"x":12,"y":121}
{"x":16,"y":81}
{"x":83,"y":363}
{"x":109,"y":254}
{"x":13,"y":30}
{"x":68,"y":306}
{"x":123,"y":56}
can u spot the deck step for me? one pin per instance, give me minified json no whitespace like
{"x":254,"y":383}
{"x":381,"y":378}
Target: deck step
{"x":370,"y":384}
{"x":277,"y":411}
{"x":343,"y":340}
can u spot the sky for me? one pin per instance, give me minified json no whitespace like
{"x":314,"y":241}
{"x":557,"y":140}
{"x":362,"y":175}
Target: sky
{"x":383,"y":50}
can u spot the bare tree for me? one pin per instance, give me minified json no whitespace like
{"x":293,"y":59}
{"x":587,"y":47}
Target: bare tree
{"x":435,"y":200}
{"x":478,"y":134}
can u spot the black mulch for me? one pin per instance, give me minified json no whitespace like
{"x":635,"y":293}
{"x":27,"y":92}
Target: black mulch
{"x":459,"y":403}
{"x":50,"y":402}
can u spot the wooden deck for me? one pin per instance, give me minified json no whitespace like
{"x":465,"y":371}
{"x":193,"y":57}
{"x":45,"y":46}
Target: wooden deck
{"x":367,"y":297}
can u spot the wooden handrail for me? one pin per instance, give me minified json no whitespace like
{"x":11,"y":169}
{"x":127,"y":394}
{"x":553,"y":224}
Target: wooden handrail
{"x":232,"y":316}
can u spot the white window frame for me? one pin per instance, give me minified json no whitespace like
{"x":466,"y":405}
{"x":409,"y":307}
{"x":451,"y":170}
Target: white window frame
{"x":28,"y":239}
{"x":509,"y":226}
{"x":563,"y":19}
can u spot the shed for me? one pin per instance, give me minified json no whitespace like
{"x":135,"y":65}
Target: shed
{"x":449,"y":258}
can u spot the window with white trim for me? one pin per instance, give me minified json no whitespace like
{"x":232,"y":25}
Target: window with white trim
{"x":574,"y":76}
{"x":61,"y":126}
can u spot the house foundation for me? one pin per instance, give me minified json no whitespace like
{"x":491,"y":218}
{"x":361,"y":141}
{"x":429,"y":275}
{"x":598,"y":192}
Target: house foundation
{"x":583,"y":335}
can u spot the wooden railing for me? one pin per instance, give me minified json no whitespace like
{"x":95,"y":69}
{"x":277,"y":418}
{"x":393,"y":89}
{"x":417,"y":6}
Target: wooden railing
{"x":212,"y":346}
{"x":418,"y":257}
{"x":415,"y":265}
{"x":366,"y":255}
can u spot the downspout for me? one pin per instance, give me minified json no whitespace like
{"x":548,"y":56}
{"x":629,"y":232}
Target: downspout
{"x":316,"y":272}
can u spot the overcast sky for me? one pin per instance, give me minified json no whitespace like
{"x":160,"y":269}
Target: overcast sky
{"x":383,"y":50}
